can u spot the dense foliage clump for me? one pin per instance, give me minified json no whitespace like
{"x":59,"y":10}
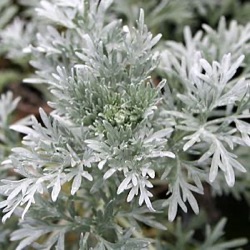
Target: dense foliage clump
{"x":86,"y":175}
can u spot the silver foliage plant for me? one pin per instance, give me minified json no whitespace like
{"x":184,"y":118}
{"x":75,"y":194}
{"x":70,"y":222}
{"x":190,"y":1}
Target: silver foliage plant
{"x":113,"y":134}
{"x":211,"y":81}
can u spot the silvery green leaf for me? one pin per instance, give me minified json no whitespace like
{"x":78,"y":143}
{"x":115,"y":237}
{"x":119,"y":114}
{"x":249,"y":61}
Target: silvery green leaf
{"x":109,"y":119}
{"x":56,"y":188}
{"x":7,"y":106}
{"x":96,"y":146}
{"x":124,"y":184}
{"x":101,"y":164}
{"x":60,"y":243}
{"x":33,"y":80}
{"x":236,"y":93}
{"x":172,"y":211}
{"x":228,"y":69}
{"x":159,"y":135}
{"x":132,"y":193}
{"x":193,"y":202}
{"x":83,"y":241}
{"x":135,"y":244}
{"x":23,"y":129}
{"x":72,"y":4}
{"x":104,"y":5}
{"x":216,"y":162}
{"x":54,"y":13}
{"x":226,"y":162}
{"x":244,"y":129}
{"x":76,"y":184}
{"x":87,"y":175}
{"x":109,"y":173}
{"x":33,"y":236}
{"x":193,"y":139}
{"x":210,"y":152}
{"x":161,"y":154}
{"x":155,"y":40}
{"x":7,"y":13}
